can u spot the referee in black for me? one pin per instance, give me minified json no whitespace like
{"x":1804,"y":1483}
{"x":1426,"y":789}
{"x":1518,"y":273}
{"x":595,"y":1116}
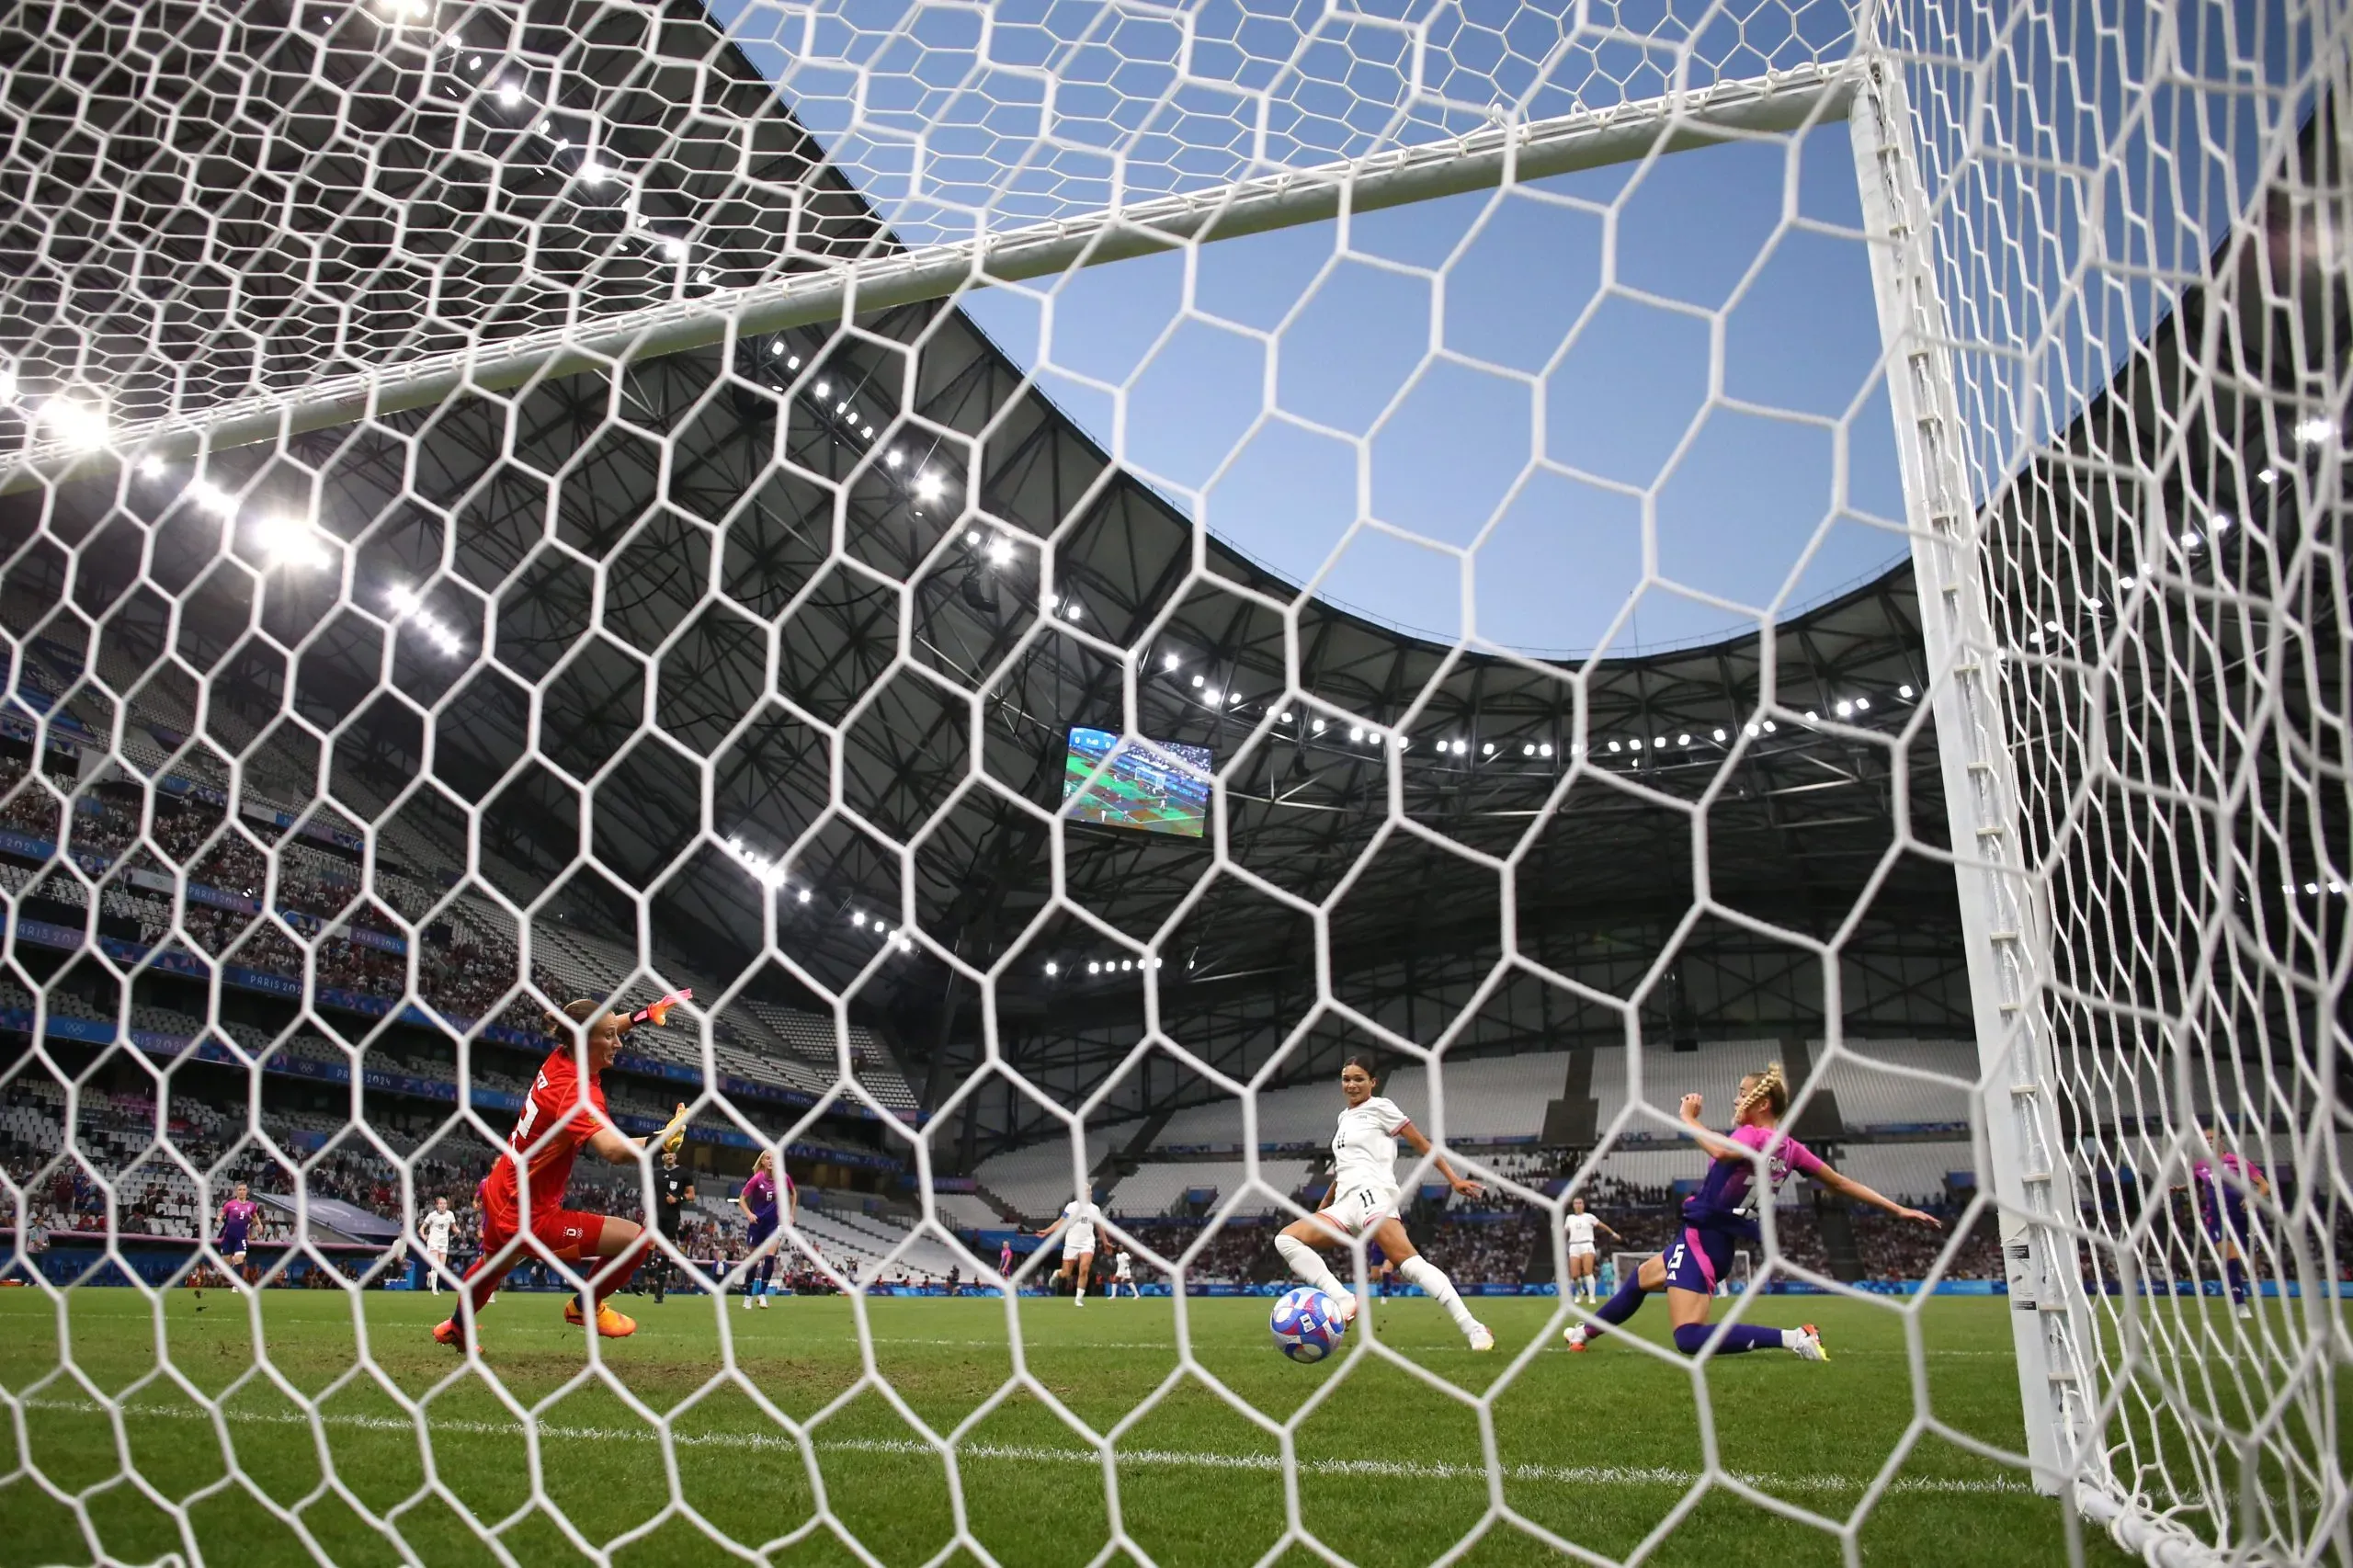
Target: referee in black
{"x":674,"y":1189}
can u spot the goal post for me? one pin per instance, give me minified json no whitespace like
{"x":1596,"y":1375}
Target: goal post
{"x":2032,"y":1182}
{"x":1773,"y":105}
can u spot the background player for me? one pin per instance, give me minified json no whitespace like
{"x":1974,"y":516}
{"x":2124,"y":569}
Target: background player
{"x":1583,"y":1268}
{"x":565,"y":1113}
{"x":1004,"y":1263}
{"x":2222,"y":1182}
{"x":1077,"y":1228}
{"x":1123,"y":1272}
{"x":1718,"y":1215}
{"x":758,"y":1202}
{"x":674,"y":1189}
{"x":240,"y":1217}
{"x":1363,"y":1201}
{"x":435,"y":1230}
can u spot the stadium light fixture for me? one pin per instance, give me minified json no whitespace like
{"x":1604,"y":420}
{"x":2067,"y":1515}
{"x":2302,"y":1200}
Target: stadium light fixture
{"x":1125,"y":965}
{"x":150,"y":467}
{"x":1528,"y":749}
{"x":1753,"y":729}
{"x":1844,"y":710}
{"x":930,"y":486}
{"x":1198,"y":680}
{"x":892,"y":458}
{"x":1356,"y":733}
{"x":857,"y":918}
{"x":1905,"y":691}
{"x":290,"y":541}
{"x":822,"y":387}
{"x":2313,"y":431}
{"x":1720,"y":735}
{"x":1052,"y":601}
{"x":1212,"y":695}
{"x":8,"y":383}
{"x":1545,"y":749}
{"x":1093,"y":967}
{"x":804,"y":895}
{"x":2220,"y":522}
{"x":78,"y":424}
{"x":1073,"y":610}
{"x":1863,"y":705}
{"x":1636,"y":742}
{"x":1319,"y":726}
{"x":1052,"y":968}
{"x":1770,"y":726}
{"x":1488,"y":749}
{"x":1683,"y":740}
{"x":1811,"y":717}
{"x":2268,"y":477}
{"x":1613,"y":746}
{"x":509,"y":93}
{"x":594,"y":173}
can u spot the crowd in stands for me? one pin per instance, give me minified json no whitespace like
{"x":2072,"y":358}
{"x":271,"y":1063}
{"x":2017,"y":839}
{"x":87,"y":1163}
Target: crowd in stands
{"x":460,"y":976}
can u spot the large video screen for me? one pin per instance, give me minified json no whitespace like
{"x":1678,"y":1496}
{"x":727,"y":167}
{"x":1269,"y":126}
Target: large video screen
{"x":1141,"y":789}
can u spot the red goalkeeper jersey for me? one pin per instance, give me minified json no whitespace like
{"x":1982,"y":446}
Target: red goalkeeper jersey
{"x":561,"y":1116}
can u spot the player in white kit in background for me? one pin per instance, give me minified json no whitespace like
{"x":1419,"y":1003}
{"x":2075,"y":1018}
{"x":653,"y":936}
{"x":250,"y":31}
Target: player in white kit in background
{"x":1123,"y":1272}
{"x":1583,"y":1274}
{"x":435,"y":1230}
{"x":1077,"y":1225}
{"x":1363,"y":1201}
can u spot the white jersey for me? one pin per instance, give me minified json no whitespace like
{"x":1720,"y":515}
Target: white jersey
{"x":1364,"y":1148}
{"x":1580,"y":1232}
{"x":1078,"y":1225}
{"x":436,"y":1229}
{"x":1125,"y":1268}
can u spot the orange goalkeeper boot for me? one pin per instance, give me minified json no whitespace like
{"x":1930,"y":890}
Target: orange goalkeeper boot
{"x":609,"y":1324}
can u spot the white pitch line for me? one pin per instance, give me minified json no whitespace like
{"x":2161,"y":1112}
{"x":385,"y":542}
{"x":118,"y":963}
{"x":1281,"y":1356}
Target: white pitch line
{"x":1173,"y":1458}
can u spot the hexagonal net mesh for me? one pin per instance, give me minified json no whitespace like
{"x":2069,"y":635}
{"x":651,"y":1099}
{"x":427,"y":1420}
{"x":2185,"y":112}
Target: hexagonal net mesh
{"x":605,"y":598}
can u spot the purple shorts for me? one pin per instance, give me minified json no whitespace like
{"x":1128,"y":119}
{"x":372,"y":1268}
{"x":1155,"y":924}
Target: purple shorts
{"x":758,"y":1232}
{"x":1697,"y":1258}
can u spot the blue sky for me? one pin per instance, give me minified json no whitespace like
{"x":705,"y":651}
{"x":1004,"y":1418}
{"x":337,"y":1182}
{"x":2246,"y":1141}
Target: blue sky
{"x":1630,"y":408}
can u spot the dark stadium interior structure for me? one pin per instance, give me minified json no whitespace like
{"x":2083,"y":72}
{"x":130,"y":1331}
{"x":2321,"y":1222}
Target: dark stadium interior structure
{"x":682,"y":590}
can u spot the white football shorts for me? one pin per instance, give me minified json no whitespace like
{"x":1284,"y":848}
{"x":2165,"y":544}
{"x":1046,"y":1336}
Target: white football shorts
{"x":1358,"y":1212}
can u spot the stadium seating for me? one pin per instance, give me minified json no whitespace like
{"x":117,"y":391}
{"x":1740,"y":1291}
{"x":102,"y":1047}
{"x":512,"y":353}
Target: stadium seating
{"x":1036,"y":1179}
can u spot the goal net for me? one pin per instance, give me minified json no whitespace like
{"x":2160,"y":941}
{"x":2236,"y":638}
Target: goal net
{"x":1008,"y":588}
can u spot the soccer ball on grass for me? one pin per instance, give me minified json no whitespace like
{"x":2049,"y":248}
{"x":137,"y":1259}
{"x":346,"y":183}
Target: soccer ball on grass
{"x":1307,"y":1324}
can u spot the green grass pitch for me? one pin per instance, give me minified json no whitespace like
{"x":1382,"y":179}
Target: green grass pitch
{"x":1601,"y":1447}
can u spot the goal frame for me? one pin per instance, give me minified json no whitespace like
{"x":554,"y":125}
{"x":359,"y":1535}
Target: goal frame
{"x":1776,"y":104}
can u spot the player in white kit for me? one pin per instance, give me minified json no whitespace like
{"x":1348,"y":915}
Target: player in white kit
{"x":1363,"y":1202}
{"x":1123,"y":1272}
{"x":1583,"y":1276}
{"x":1078,"y":1227}
{"x":436,"y":1228}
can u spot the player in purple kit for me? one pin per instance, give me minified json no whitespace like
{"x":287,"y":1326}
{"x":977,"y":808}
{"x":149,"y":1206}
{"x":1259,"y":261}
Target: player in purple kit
{"x":237,"y":1220}
{"x":2222,"y":1183}
{"x":759,"y":1203}
{"x":1720,"y":1214}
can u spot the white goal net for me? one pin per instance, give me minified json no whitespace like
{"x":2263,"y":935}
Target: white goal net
{"x":1059,"y":571}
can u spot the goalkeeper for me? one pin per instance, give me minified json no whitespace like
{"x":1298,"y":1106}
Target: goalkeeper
{"x":563,"y":1113}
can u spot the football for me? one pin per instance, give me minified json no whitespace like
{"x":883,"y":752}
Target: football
{"x":1307,"y":1324}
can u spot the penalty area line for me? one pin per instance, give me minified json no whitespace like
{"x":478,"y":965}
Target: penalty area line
{"x":1140,"y":1458}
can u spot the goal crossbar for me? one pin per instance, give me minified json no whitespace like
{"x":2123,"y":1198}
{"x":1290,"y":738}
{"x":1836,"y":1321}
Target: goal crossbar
{"x":1777,"y":104}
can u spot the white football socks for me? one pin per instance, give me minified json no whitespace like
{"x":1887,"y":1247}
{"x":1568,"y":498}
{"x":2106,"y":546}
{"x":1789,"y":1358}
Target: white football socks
{"x":1308,"y":1265}
{"x":1438,"y":1287}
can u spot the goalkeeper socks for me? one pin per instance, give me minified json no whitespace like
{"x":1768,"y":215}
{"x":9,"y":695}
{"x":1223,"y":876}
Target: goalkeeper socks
{"x":2236,"y":1269}
{"x":1434,"y":1283}
{"x":1306,"y":1265}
